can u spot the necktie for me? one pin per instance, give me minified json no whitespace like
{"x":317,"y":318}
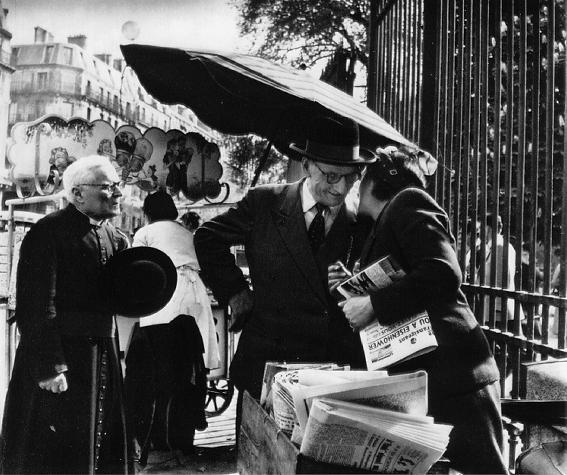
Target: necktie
{"x":316,"y":230}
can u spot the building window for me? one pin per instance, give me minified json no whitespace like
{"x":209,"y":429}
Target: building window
{"x":41,"y":80}
{"x":101,"y":95}
{"x":115,"y":102}
{"x":47,"y":54}
{"x":88,"y":114}
{"x":14,"y":57}
{"x":68,"y":55}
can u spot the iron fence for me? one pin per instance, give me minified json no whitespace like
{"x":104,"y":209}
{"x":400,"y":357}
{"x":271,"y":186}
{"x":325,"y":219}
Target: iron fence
{"x":481,"y":83}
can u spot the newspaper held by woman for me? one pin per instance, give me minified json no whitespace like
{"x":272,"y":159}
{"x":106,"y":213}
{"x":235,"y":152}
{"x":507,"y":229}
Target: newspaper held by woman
{"x":385,"y":345}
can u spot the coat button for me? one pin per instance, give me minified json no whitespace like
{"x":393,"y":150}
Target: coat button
{"x":325,"y":314}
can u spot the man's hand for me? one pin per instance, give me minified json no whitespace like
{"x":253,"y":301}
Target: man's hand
{"x":336,"y":274}
{"x":240,"y":305}
{"x":358,"y":311}
{"x":57,"y":384}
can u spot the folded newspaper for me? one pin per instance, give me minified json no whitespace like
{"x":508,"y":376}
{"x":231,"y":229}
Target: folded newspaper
{"x":271,"y":368}
{"x":293,"y":393}
{"x":367,"y":438}
{"x":385,"y":345}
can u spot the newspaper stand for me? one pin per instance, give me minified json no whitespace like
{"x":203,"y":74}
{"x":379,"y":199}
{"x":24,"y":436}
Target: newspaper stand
{"x":263,"y":448}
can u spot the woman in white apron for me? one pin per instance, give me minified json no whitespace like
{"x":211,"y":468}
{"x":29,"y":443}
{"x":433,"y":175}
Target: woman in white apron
{"x":165,"y":369}
{"x":190,"y":296}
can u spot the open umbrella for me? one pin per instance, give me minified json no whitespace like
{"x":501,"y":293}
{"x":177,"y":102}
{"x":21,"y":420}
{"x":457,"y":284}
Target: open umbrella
{"x":239,"y":94}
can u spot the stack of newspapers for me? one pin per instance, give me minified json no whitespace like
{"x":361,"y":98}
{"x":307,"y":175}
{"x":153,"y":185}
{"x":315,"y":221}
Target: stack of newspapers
{"x":367,"y":420}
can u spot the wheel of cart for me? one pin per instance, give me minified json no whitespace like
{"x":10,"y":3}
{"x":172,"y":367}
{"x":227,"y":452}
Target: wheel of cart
{"x":220,"y":388}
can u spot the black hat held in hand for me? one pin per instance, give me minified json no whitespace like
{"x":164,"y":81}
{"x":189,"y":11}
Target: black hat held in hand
{"x":139,"y":281}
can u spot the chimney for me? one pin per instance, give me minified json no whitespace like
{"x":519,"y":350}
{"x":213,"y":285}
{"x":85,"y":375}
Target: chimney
{"x":41,"y":35}
{"x":105,"y":58}
{"x":79,"y":40}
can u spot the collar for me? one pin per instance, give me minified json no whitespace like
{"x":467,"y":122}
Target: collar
{"x":92,"y":221}
{"x":308,"y":202}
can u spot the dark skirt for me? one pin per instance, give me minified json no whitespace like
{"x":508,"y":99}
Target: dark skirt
{"x":82,"y":430}
{"x":166,"y":385}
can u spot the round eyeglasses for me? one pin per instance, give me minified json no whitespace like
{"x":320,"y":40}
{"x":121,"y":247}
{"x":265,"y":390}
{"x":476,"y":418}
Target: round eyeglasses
{"x":106,"y":187}
{"x":333,"y":178}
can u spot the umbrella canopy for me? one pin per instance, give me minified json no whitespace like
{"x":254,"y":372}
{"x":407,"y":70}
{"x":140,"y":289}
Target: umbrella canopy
{"x":240,"y":94}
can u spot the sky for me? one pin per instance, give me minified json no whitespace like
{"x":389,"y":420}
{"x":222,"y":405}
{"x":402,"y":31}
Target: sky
{"x":197,"y":24}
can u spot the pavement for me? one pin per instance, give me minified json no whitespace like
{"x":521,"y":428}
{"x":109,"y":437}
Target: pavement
{"x":217,"y":460}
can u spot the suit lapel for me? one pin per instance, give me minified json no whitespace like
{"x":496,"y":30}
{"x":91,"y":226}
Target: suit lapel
{"x":290,"y":222}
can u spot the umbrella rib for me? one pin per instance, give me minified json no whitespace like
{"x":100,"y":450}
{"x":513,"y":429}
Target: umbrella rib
{"x":304,"y":88}
{"x":226,"y":90}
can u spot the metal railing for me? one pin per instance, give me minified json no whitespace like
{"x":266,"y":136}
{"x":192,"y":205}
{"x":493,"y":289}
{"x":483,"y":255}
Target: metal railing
{"x":483,"y":84}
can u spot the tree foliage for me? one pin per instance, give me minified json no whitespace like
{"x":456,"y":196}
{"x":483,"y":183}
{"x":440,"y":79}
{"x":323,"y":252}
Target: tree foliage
{"x":243,"y":157}
{"x":305,"y":31}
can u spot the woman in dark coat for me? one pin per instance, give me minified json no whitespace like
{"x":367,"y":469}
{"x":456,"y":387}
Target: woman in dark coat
{"x":463,"y":376}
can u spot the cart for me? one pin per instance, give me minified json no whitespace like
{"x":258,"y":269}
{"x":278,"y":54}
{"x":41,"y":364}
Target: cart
{"x":220,"y":389}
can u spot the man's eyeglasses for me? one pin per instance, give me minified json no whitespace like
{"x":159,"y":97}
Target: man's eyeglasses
{"x":333,"y":178}
{"x":106,"y":187}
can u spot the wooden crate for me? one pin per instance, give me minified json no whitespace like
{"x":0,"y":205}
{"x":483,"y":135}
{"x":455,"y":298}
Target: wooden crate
{"x":264,"y":449}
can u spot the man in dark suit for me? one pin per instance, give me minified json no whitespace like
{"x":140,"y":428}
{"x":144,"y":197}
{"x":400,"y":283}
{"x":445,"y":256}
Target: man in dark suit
{"x":64,"y":409}
{"x":291,"y":234}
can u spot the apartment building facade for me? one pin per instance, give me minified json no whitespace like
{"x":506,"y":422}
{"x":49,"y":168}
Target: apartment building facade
{"x":65,"y":79}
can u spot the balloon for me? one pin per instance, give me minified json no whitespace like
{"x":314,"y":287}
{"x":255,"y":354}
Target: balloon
{"x":130,"y":30}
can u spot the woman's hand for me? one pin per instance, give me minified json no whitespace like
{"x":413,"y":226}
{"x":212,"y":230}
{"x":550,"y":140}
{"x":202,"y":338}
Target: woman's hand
{"x":358,"y":311}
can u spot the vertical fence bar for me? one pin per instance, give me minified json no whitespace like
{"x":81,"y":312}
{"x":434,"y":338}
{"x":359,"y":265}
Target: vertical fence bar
{"x":387,"y":114}
{"x":448,"y":154}
{"x":497,"y":147}
{"x":459,"y":80}
{"x":432,"y":18}
{"x":507,"y":192}
{"x":443,"y":110}
{"x":483,"y":155}
{"x":533,"y":156}
{"x":560,"y":313}
{"x":476,"y":16}
{"x":398,"y":62}
{"x":549,"y":150}
{"x":374,"y":52}
{"x":407,"y":56}
{"x":425,"y":67}
{"x":468,"y":41}
{"x":382,"y":65}
{"x":520,"y":188}
{"x":416,"y":60}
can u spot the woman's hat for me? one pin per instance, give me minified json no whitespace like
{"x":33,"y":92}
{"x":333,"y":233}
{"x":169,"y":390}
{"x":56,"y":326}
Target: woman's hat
{"x":139,"y":280}
{"x":334,"y":140}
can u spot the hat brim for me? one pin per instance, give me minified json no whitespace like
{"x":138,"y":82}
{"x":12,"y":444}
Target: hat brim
{"x":365,"y":157}
{"x":139,"y":281}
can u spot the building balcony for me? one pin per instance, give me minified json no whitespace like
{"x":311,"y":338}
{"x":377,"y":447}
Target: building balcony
{"x":49,"y":87}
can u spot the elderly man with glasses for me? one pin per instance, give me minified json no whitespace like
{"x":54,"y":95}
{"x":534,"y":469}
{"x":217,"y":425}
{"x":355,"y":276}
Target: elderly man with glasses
{"x":291,"y":234}
{"x":64,"y":409}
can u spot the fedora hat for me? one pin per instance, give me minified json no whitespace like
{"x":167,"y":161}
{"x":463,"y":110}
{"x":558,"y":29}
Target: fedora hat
{"x":139,"y":281}
{"x":334,"y":140}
